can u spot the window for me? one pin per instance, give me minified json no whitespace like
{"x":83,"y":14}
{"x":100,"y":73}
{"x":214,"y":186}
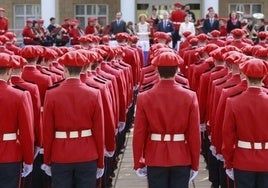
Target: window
{"x":248,"y":8}
{"x":22,"y":12}
{"x":85,"y":11}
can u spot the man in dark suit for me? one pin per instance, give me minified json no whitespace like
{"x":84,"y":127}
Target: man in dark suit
{"x":210,"y":23}
{"x":165,"y":25}
{"x":118,"y":25}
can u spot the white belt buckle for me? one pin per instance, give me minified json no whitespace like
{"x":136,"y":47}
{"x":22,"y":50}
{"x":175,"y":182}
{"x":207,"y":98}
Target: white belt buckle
{"x":266,"y":145}
{"x":42,"y":109}
{"x":86,"y":133}
{"x":257,"y":145}
{"x":60,"y":134}
{"x":178,"y":137}
{"x":74,"y":134}
{"x":167,"y":137}
{"x":9,"y":136}
{"x":156,"y":137}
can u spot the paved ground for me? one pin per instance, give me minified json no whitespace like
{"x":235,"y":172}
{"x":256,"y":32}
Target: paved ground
{"x":126,"y":177}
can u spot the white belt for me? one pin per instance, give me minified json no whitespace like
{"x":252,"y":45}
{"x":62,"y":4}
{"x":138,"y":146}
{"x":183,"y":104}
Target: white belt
{"x":27,"y":38}
{"x":42,"y":109}
{"x":167,"y":137}
{"x":73,"y":134}
{"x":253,"y":145}
{"x":9,"y":136}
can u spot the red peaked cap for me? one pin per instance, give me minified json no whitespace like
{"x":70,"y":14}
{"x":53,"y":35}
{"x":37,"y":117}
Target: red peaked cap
{"x":262,"y":34}
{"x":259,"y":51}
{"x":194,"y":40}
{"x":254,"y":68}
{"x":178,"y":4}
{"x":50,"y":53}
{"x":30,"y":51}
{"x":6,"y":60}
{"x":10,"y":35}
{"x":106,"y":38}
{"x":237,"y":32}
{"x":186,"y":33}
{"x":91,"y":56}
{"x":167,"y":59}
{"x":134,"y":39}
{"x":234,"y":57}
{"x":210,"y":47}
{"x":56,"y":49}
{"x":215,"y":33}
{"x":122,"y":36}
{"x":247,"y":50}
{"x":19,"y":62}
{"x":73,"y":58}
{"x":202,"y":37}
{"x":109,"y":50}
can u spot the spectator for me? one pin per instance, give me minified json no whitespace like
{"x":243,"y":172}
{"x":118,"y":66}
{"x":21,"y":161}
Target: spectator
{"x":154,"y":16}
{"x":186,"y":26}
{"x":233,"y":22}
{"x":165,"y":25}
{"x":211,"y":9}
{"x":210,"y":23}
{"x":3,"y":22}
{"x":118,"y":25}
{"x":187,"y":9}
{"x":130,"y":28}
{"x":143,"y":28}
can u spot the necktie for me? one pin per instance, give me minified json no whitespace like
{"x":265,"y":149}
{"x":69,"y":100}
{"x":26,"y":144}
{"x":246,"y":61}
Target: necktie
{"x":211,"y":21}
{"x":118,"y":22}
{"x":165,"y":24}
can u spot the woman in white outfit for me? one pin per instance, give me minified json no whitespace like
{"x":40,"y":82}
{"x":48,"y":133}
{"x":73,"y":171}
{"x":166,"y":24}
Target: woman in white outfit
{"x":186,"y":26}
{"x":143,"y":28}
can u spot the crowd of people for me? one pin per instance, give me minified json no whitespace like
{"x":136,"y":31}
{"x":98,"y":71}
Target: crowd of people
{"x":66,"y":110}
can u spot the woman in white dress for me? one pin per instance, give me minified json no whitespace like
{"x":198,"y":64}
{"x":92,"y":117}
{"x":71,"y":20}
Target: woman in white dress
{"x":143,"y":28}
{"x":186,"y":26}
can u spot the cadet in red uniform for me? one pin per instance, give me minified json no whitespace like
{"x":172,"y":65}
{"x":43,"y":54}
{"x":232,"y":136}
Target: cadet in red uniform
{"x":211,"y":9}
{"x":245,"y":130}
{"x":17,"y":137}
{"x":80,"y":124}
{"x":28,"y":35}
{"x":166,"y":133}
{"x":177,"y":17}
{"x":91,"y":27}
{"x":3,"y":22}
{"x":75,"y":32}
{"x":65,"y":32}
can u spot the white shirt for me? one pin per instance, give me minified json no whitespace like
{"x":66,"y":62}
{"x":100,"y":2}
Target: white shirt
{"x":142,"y":31}
{"x":186,"y":27}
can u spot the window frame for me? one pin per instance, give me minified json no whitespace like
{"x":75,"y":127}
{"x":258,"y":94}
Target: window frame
{"x":240,"y":7}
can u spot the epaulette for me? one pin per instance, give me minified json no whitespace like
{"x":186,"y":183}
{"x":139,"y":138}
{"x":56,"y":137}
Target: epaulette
{"x":54,"y":86}
{"x":58,"y":82}
{"x":20,"y":88}
{"x":54,"y":72}
{"x":236,"y":94}
{"x":92,"y":86}
{"x":185,"y":84}
{"x":265,"y":87}
{"x":30,"y":82}
{"x":209,"y":69}
{"x":149,"y":75}
{"x":227,"y":87}
{"x":45,"y":73}
{"x":100,"y":81}
{"x":222,"y":82}
{"x":146,"y":88}
{"x":180,"y":74}
{"x":102,"y":78}
{"x":188,"y":88}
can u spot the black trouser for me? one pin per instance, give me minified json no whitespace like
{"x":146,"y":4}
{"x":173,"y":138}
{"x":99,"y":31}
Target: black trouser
{"x":10,"y":174}
{"x":168,"y":177}
{"x":225,"y":181}
{"x":39,"y":178}
{"x":249,"y":179}
{"x":79,"y":175}
{"x":214,"y":170}
{"x":175,"y":38}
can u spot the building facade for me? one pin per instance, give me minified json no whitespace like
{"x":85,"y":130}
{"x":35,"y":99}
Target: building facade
{"x":18,"y":11}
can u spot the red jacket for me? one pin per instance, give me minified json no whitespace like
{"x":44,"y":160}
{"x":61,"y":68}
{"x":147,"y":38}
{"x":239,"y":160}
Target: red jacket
{"x":36,"y":102}
{"x":158,"y":111}
{"x":245,"y":120}
{"x":74,"y":34}
{"x":28,"y":35}
{"x":177,"y":16}
{"x":109,"y":123}
{"x":216,"y":137}
{"x":73,"y":106}
{"x":33,"y":75}
{"x":16,"y":117}
{"x":3,"y":25}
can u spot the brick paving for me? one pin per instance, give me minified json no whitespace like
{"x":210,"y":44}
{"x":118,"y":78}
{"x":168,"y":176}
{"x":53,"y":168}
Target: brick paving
{"x":126,"y":177}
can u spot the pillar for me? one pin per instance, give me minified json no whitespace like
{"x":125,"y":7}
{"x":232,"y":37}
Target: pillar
{"x":210,"y":3}
{"x":128,"y":9}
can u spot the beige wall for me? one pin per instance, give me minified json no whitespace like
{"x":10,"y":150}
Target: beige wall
{"x":224,"y":6}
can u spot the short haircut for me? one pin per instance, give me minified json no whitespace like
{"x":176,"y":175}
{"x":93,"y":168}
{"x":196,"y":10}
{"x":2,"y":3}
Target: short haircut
{"x":254,"y":80}
{"x":31,"y":60}
{"x":74,"y":70}
{"x":3,"y":70}
{"x":94,"y":65}
{"x":167,"y":71}
{"x":52,"y":18}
